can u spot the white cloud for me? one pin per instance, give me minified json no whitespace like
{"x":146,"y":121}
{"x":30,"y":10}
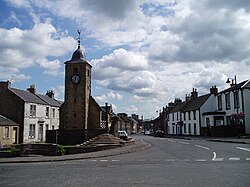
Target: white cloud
{"x":112,"y":95}
{"x":23,"y":48}
{"x":161,"y":49}
{"x":59,"y":92}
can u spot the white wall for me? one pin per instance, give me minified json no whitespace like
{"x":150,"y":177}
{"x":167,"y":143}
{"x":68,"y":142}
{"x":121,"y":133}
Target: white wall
{"x":246,"y":96}
{"x":39,"y":119}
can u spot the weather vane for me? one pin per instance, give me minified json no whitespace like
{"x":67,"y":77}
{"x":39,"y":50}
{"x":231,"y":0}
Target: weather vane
{"x":79,"y":38}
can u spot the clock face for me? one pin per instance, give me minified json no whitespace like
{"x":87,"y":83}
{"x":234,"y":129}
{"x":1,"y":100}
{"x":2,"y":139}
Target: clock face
{"x":75,"y":79}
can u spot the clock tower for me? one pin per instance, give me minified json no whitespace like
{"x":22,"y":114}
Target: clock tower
{"x":77,"y":92}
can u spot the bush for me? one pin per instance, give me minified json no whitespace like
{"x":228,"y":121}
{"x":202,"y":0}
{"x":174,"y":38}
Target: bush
{"x":14,"y":150}
{"x":60,"y":150}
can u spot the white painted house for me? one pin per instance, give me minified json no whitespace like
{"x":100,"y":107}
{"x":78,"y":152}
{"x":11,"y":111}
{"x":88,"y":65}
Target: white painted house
{"x":35,"y":113}
{"x":213,"y":114}
{"x":186,"y":117}
{"x":234,"y":101}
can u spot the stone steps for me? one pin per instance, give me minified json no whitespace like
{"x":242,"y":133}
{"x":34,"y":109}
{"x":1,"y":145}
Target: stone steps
{"x":104,"y":139}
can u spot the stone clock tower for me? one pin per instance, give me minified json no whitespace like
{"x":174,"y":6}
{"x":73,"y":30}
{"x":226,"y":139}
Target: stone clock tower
{"x":75,"y":108}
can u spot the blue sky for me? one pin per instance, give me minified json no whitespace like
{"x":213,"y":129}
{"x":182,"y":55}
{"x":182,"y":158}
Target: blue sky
{"x":144,"y":53}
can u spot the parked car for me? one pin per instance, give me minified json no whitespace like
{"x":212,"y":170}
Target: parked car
{"x":159,"y":133}
{"x":123,"y":135}
{"x":147,"y":132}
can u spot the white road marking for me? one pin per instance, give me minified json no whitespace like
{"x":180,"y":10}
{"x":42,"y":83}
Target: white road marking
{"x":247,"y":158}
{"x":234,"y":159}
{"x":103,"y":160}
{"x":115,"y":160}
{"x":141,"y":160}
{"x":216,"y":159}
{"x":244,"y":149}
{"x":203,"y":147}
{"x":93,"y":160}
{"x":169,"y":160}
{"x":200,"y":160}
{"x":154,"y":160}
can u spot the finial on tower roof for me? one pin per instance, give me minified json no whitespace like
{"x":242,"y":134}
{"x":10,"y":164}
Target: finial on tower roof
{"x":79,"y":38}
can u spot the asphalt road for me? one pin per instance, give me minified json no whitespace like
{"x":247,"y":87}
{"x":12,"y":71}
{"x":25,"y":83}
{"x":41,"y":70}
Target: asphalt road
{"x":167,"y":162}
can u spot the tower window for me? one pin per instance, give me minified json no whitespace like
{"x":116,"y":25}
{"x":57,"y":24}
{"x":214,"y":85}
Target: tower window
{"x":75,"y":70}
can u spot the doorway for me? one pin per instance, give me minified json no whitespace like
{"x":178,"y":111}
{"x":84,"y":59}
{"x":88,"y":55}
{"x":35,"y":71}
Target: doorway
{"x":40,"y":132}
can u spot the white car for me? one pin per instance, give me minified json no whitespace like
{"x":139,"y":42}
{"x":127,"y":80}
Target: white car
{"x":147,"y":133}
{"x":122,"y":134}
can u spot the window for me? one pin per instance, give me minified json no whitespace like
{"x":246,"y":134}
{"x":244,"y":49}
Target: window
{"x":195,"y":128}
{"x":219,"y":102}
{"x":75,"y":70}
{"x":227,"y":96}
{"x":189,"y":128}
{"x":236,"y":99}
{"x":47,"y":112}
{"x":32,"y":110}
{"x":177,"y":115}
{"x":53,"y":113}
{"x":208,"y":122}
{"x":6,"y":133}
{"x":173,"y":116}
{"x":189,"y":115}
{"x":194,"y":113}
{"x":53,"y":127}
{"x":47,"y":126}
{"x":184,"y":116}
{"x":185,"y":128}
{"x":32,"y":131}
{"x":173,"y":127}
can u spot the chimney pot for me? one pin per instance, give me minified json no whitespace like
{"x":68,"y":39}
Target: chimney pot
{"x":32,"y":89}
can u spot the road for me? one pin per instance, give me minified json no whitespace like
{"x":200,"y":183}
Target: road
{"x":167,"y":162}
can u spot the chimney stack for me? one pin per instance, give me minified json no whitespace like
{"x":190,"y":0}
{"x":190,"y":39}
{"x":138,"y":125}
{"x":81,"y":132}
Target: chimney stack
{"x":50,"y":93}
{"x":194,"y":94}
{"x":32,"y":89}
{"x":214,"y":90}
{"x":188,"y":97}
{"x":5,"y":85}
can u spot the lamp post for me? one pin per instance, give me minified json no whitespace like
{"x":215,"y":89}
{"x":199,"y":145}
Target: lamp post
{"x":234,"y":82}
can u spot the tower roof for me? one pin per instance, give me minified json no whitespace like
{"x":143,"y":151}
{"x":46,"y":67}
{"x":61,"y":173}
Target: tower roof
{"x":78,"y":54}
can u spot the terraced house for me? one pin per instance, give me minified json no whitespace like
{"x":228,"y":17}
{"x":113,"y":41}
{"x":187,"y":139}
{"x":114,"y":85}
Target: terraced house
{"x":35,"y":113}
{"x":225,"y":113}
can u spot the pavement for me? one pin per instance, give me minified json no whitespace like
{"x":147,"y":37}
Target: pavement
{"x":138,"y":145}
{"x":240,"y":140}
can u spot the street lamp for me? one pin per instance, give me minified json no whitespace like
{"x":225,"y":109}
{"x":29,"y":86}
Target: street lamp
{"x":234,"y":82}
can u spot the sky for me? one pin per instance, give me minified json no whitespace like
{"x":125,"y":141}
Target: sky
{"x":144,"y":53}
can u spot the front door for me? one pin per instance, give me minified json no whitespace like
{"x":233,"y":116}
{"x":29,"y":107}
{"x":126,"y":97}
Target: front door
{"x":14,"y":135}
{"x":40,"y":133}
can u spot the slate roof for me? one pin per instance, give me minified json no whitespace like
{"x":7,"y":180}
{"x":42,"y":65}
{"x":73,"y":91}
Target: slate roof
{"x":6,"y":122}
{"x":238,"y":86}
{"x":124,"y":118}
{"x":195,"y":103}
{"x":28,"y":96}
{"x":177,"y":107}
{"x":49,"y":100}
